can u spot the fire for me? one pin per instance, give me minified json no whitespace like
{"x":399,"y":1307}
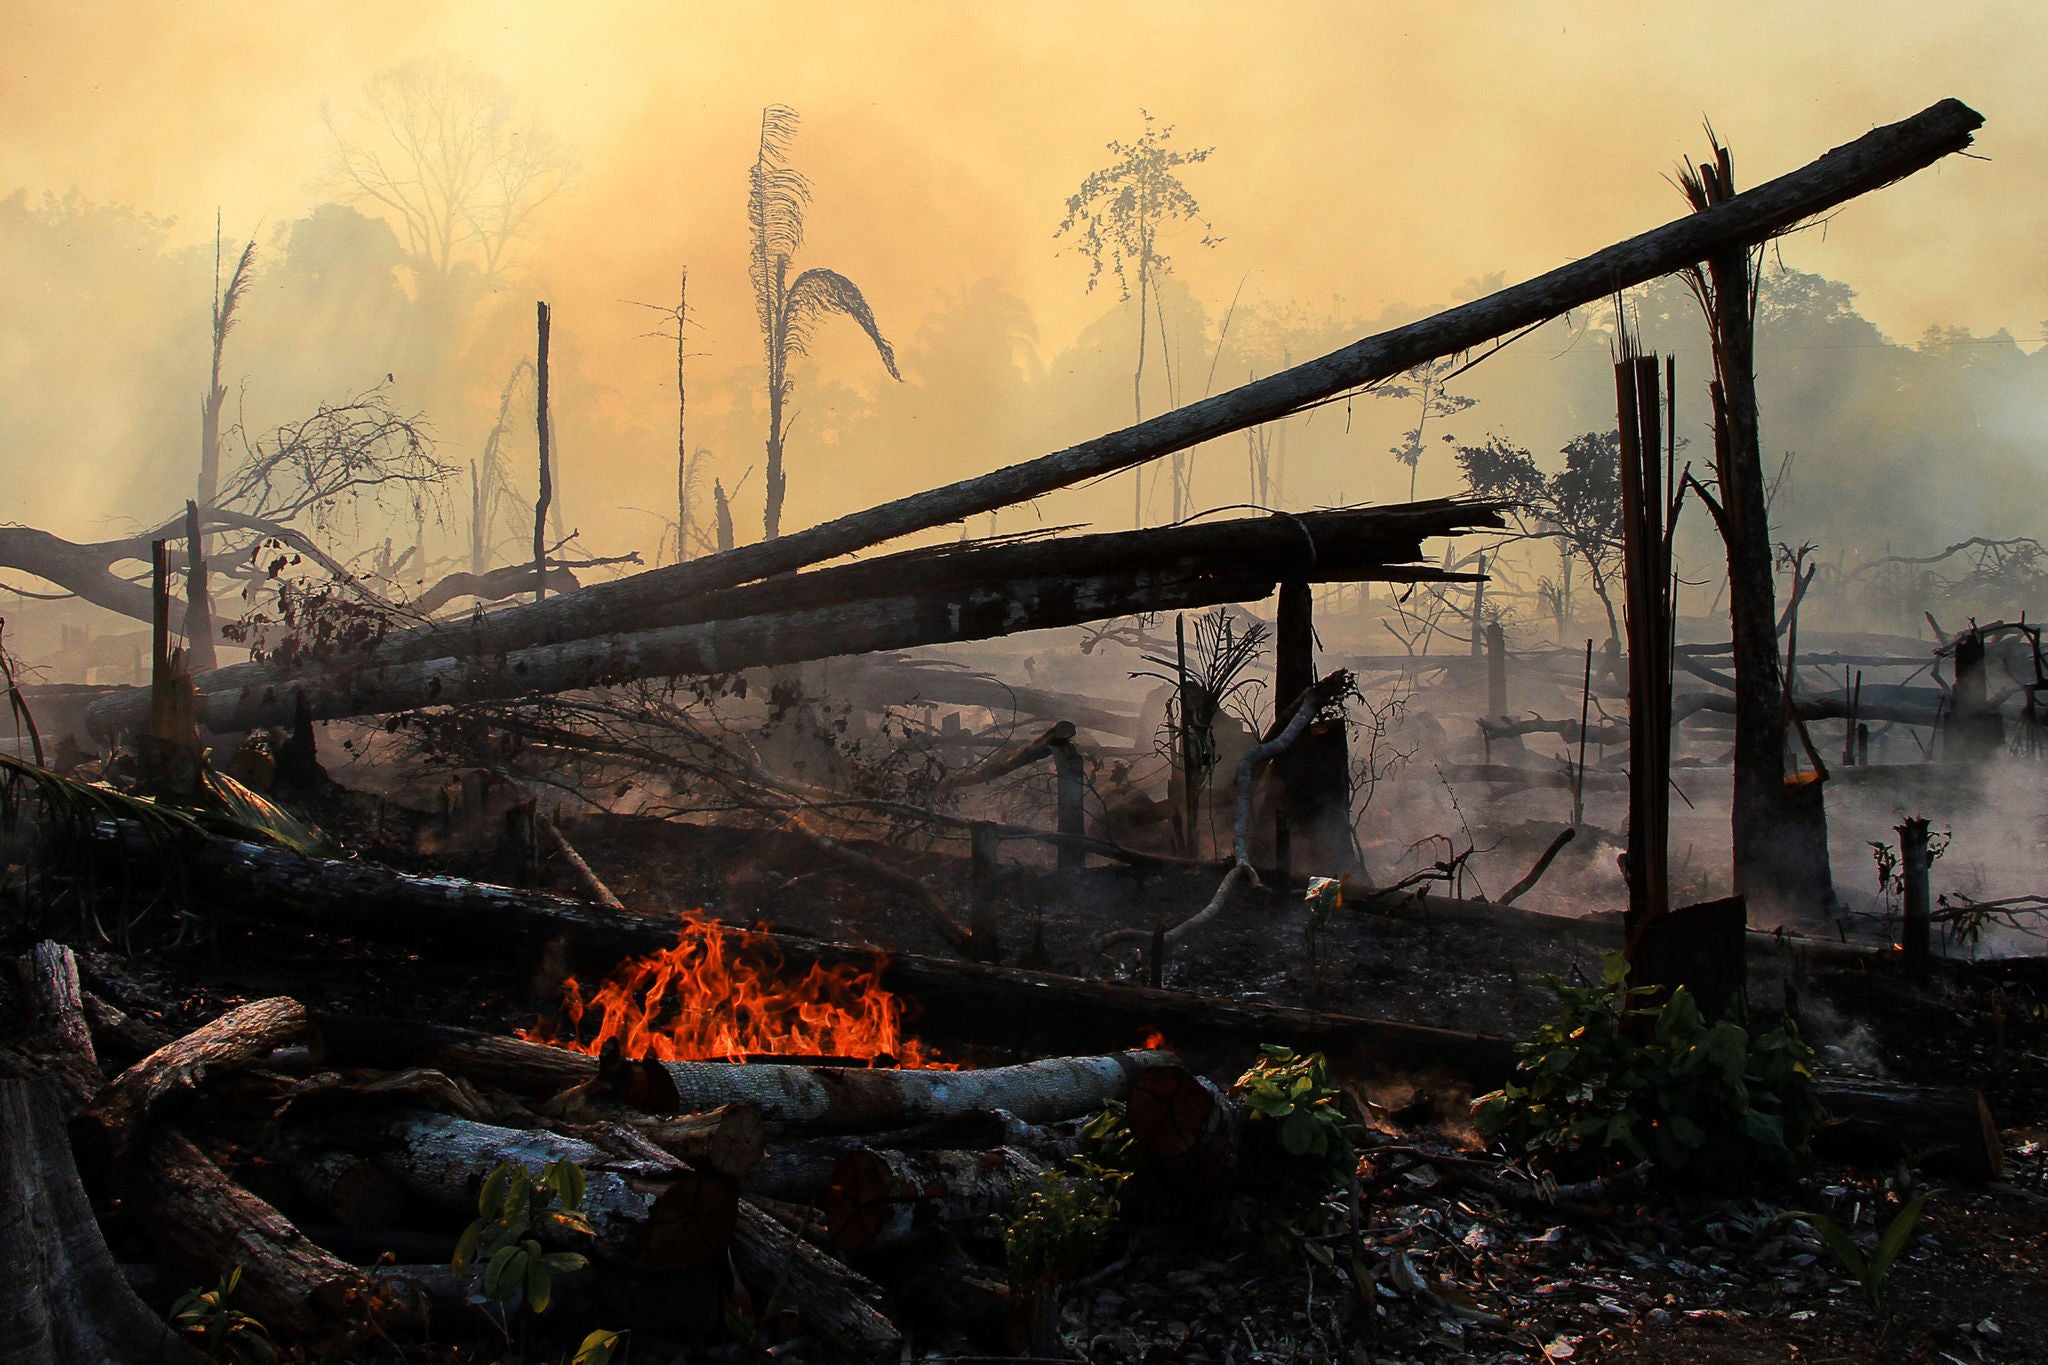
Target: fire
{"x":722,"y":993}
{"x":1155,"y":1040}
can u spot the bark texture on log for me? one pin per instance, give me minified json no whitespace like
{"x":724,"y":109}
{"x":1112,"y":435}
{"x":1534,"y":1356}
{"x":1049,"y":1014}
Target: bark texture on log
{"x":242,"y":1035}
{"x":209,"y":1224}
{"x":833,"y":1301}
{"x":444,"y":1160}
{"x":62,"y":1297}
{"x":851,"y":1099}
{"x":884,"y":1200}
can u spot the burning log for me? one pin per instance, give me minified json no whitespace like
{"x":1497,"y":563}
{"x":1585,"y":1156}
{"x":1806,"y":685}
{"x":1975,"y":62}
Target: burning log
{"x":884,"y":1200}
{"x":204,"y":1221}
{"x":62,"y":1297}
{"x":110,"y":1125}
{"x":1880,"y":1122}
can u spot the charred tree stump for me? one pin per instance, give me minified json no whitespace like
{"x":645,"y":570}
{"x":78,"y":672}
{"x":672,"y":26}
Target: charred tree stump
{"x":985,"y":851}
{"x":1073,"y":819}
{"x":1294,"y":673}
{"x":62,"y":1297}
{"x":1917,"y":932}
{"x":1702,"y":948}
{"x":1976,"y":731}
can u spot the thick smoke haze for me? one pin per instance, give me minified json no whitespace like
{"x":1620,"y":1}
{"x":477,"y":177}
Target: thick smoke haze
{"x":1371,"y":163}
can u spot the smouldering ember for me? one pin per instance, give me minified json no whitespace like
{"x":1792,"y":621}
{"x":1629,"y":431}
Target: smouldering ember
{"x":726,"y":994}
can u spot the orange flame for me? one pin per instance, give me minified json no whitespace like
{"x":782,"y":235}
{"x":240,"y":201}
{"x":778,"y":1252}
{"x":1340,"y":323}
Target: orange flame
{"x":721,"y":993}
{"x":1155,"y":1040}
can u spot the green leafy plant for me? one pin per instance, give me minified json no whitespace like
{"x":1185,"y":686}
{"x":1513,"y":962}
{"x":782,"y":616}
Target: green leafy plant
{"x":1299,"y":1139}
{"x":1611,"y":1080}
{"x":512,"y":1208}
{"x":1060,"y":1224}
{"x":219,"y":1329}
{"x":1872,"y":1271}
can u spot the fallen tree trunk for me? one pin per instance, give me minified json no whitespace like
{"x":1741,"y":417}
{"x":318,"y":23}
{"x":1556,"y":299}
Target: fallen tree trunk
{"x":854,"y":1099}
{"x":109,"y":1127}
{"x":1878,"y":1122}
{"x":885,"y":1200}
{"x":444,"y":1160}
{"x":62,"y":1297}
{"x":793,"y":620}
{"x":206,"y":1222}
{"x":983,"y":1005}
{"x":1878,"y":158}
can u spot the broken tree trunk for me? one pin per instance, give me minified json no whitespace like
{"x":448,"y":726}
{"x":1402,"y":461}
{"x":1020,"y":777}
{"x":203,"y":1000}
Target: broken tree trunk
{"x":911,"y":599}
{"x":62,"y":1297}
{"x":108,"y":1128}
{"x":1779,"y":840}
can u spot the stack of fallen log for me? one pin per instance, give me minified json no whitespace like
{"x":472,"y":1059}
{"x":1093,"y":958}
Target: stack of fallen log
{"x":334,"y":1160}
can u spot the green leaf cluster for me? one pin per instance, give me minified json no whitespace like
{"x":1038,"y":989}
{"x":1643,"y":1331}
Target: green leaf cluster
{"x":1299,"y":1141}
{"x":220,"y":1330}
{"x":1612,"y":1080}
{"x":1060,"y":1225}
{"x":512,"y":1209}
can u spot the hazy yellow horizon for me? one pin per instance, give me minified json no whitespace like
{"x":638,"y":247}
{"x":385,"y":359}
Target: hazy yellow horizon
{"x":1385,"y":154}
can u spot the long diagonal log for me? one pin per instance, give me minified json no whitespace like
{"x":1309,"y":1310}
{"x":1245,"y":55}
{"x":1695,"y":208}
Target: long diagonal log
{"x":917,"y":598}
{"x":1876,"y":159}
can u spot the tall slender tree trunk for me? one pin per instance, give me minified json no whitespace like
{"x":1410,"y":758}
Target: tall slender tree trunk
{"x":682,"y":412}
{"x":1138,"y":394}
{"x":541,"y":429}
{"x":1778,"y":829}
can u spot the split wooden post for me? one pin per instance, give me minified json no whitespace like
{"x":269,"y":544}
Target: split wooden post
{"x":985,"y":845}
{"x":1294,"y":672}
{"x":1917,"y":936}
{"x":1066,"y":762}
{"x":1477,"y":632}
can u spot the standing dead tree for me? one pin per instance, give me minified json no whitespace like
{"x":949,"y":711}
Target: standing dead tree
{"x":789,"y":308}
{"x":1779,"y":824}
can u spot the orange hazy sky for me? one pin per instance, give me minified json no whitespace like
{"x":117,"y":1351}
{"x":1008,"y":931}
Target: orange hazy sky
{"x":1385,"y":153}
